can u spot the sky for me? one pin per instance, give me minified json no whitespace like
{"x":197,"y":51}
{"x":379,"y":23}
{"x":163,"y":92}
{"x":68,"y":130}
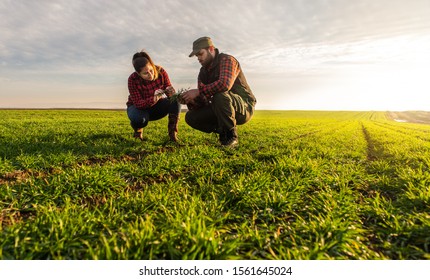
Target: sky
{"x":296,"y":54}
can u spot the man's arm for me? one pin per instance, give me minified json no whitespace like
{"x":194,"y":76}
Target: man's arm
{"x":229,"y":70}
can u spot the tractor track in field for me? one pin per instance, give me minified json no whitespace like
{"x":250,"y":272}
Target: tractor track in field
{"x":374,"y":149}
{"x":376,"y":152}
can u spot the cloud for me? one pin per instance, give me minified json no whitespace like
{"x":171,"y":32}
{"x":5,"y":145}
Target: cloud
{"x":67,"y":43}
{"x":53,"y":34}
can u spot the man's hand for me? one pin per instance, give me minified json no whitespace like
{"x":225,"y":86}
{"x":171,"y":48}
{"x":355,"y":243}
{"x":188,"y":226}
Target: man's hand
{"x":189,"y":96}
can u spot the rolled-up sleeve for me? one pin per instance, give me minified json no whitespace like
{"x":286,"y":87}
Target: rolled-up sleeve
{"x":229,"y":70}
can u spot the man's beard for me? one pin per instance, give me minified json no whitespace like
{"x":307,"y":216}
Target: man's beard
{"x":207,"y":61}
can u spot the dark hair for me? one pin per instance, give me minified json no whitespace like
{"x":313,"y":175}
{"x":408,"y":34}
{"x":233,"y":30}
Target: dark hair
{"x":140,"y":54}
{"x":139,"y":63}
{"x":140,"y":60}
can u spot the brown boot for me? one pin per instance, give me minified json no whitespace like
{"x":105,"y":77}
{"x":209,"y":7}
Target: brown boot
{"x":138,"y":134}
{"x":173,"y":127}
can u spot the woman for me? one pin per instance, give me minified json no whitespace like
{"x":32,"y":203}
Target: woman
{"x":149,"y":87}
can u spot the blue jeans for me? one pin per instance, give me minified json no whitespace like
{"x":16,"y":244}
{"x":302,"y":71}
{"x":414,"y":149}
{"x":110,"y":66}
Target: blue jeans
{"x":139,"y":118}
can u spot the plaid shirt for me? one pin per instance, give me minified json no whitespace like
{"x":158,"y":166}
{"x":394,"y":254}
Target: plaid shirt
{"x":142,"y":91}
{"x":229,"y":70}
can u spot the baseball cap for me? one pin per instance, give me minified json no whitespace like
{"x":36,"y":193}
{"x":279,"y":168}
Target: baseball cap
{"x":201,"y":43}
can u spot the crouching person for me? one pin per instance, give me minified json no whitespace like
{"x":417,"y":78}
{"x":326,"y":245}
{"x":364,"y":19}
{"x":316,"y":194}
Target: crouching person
{"x":149,"y":88}
{"x":223,"y":98}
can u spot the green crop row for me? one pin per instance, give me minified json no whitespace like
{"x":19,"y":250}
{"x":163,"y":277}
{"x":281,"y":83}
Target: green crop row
{"x":301,"y":185}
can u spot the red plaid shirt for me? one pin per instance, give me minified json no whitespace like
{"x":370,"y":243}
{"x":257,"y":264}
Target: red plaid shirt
{"x":142,"y":91}
{"x":229,"y":70}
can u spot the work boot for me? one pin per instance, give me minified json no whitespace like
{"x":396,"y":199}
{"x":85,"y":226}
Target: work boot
{"x":231,"y":139}
{"x":222,"y":137}
{"x":173,"y":127}
{"x":138,"y":134}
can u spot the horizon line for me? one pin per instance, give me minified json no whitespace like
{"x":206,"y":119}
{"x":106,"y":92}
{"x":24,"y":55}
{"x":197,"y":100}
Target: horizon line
{"x":184,"y":110}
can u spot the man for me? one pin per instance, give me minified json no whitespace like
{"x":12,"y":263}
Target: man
{"x":223,"y":98}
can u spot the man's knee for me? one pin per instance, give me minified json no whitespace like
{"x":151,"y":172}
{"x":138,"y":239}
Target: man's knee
{"x":221,"y":98}
{"x":199,"y":120}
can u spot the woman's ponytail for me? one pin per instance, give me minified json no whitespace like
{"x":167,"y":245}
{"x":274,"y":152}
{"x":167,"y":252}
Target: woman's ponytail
{"x":141,"y":59}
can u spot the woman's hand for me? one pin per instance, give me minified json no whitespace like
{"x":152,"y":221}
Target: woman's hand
{"x":158,"y":94}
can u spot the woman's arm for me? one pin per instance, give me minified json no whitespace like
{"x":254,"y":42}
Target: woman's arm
{"x":141,"y":98}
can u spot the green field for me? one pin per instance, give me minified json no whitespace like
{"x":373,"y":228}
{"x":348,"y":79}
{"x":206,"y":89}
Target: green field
{"x":302,"y":185}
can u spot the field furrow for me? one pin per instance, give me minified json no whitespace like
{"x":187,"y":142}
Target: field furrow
{"x":301,"y":185}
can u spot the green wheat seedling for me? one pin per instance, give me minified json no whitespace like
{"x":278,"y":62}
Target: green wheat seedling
{"x":177,"y":96}
{"x":301,"y":185}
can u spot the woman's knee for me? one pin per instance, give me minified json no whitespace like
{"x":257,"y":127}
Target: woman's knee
{"x":174,"y":107}
{"x":138,"y":118}
{"x":190,"y":119}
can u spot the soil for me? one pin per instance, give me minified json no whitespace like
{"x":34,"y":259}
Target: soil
{"x":410,"y":116}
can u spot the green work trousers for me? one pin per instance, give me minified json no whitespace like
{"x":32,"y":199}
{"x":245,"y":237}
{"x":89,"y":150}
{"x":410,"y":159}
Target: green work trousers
{"x":224,"y":112}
